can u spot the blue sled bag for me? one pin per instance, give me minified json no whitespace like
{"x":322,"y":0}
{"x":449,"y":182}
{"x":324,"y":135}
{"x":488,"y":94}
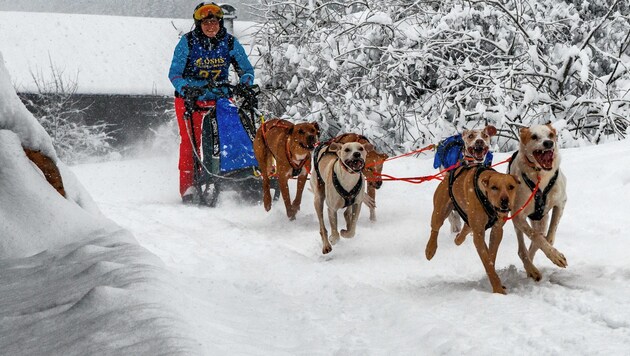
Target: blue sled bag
{"x":236,"y":148}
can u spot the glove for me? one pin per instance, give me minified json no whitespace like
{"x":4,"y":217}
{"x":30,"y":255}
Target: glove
{"x":192,"y":91}
{"x":247,"y":79}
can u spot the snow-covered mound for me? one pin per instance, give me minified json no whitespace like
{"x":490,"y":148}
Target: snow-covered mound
{"x":72,"y":282}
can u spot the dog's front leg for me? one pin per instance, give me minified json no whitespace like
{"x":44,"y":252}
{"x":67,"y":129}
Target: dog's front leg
{"x":461,"y":237}
{"x":531,"y":270}
{"x":301,"y":182}
{"x":283,"y":183}
{"x":486,"y":259}
{"x":319,"y":209}
{"x":496,"y":235}
{"x":371,"y":191}
{"x":351,"y":215}
{"x":556,"y":214}
{"x":334,"y":229}
{"x":539,"y":240}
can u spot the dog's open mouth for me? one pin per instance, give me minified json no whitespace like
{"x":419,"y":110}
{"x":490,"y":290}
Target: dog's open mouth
{"x":544,"y":158}
{"x":308,"y":146}
{"x":478,"y":152}
{"x":356,"y":164}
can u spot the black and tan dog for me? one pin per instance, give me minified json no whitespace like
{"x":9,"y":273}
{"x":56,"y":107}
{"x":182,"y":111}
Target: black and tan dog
{"x":538,"y":157}
{"x":483,"y":198}
{"x":338,"y":183}
{"x":284,"y":148}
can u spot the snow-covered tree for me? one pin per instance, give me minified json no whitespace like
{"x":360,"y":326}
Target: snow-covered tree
{"x":409,"y":72}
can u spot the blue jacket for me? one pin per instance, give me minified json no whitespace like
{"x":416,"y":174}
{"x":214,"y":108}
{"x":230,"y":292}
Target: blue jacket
{"x":198,"y":60}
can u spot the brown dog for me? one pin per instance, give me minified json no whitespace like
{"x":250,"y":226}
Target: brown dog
{"x":483,"y":198}
{"x":48,"y":168}
{"x":337,"y":180}
{"x":373,"y":166}
{"x":538,"y":156}
{"x":290,"y":146}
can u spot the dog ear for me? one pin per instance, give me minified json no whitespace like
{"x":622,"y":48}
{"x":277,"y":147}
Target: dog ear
{"x":518,"y":181}
{"x":490,"y":130}
{"x":334,"y":146}
{"x":316,"y":127}
{"x":368,"y":147}
{"x":553,"y":129}
{"x":485,"y":181}
{"x":525,"y":134}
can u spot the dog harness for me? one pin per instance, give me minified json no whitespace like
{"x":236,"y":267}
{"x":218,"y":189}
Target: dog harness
{"x":483,"y":199}
{"x":297,"y":168}
{"x":348,"y":197}
{"x":540,"y":198}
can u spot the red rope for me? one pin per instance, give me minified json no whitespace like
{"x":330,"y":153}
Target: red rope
{"x":429,"y":147}
{"x":526,"y":203}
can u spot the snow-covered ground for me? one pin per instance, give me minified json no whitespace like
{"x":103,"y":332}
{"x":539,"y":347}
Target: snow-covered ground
{"x":257,"y":283}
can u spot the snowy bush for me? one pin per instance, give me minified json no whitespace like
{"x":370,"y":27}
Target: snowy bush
{"x":57,"y":110}
{"x":408,"y":73}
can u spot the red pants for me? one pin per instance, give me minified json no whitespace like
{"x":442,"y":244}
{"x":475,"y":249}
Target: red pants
{"x":186,"y":158}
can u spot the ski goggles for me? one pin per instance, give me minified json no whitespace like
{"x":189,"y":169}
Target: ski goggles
{"x":208,"y":10}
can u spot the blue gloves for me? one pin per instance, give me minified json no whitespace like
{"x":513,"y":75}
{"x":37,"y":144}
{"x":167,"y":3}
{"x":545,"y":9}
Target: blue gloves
{"x":247,"y":79}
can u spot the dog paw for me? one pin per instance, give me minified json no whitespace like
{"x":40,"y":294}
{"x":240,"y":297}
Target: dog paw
{"x":326,"y":249}
{"x":429,"y":252}
{"x":501,"y":290}
{"x":535,"y":275}
{"x":346,"y":234}
{"x":333,"y":239}
{"x":459,"y":239}
{"x":558,"y":259}
{"x":456,"y":228}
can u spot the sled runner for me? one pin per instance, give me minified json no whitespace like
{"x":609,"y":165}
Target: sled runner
{"x":226,"y":160}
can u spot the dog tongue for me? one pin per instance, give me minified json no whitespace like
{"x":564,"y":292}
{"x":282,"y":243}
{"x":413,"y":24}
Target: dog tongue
{"x":546,"y":159}
{"x":355,"y":164}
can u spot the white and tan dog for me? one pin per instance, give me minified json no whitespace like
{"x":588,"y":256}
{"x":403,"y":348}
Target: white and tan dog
{"x":538,"y":158}
{"x":338,"y":182}
{"x":474,"y":151}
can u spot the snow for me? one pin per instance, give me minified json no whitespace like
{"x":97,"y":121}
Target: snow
{"x":122,"y":267}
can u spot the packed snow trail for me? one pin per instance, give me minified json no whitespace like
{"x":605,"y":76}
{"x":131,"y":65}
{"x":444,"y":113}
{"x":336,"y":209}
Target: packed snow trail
{"x":256,"y":283}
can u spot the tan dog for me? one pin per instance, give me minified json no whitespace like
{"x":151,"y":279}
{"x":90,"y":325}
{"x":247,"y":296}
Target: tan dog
{"x":290,"y":147}
{"x":337,"y":180}
{"x":48,"y":168}
{"x":373,"y":166}
{"x":538,"y":156}
{"x":483,"y":197}
{"x":475,"y":149}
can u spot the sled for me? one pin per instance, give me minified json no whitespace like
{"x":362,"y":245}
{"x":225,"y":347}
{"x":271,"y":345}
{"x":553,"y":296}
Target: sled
{"x":227,"y":161}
